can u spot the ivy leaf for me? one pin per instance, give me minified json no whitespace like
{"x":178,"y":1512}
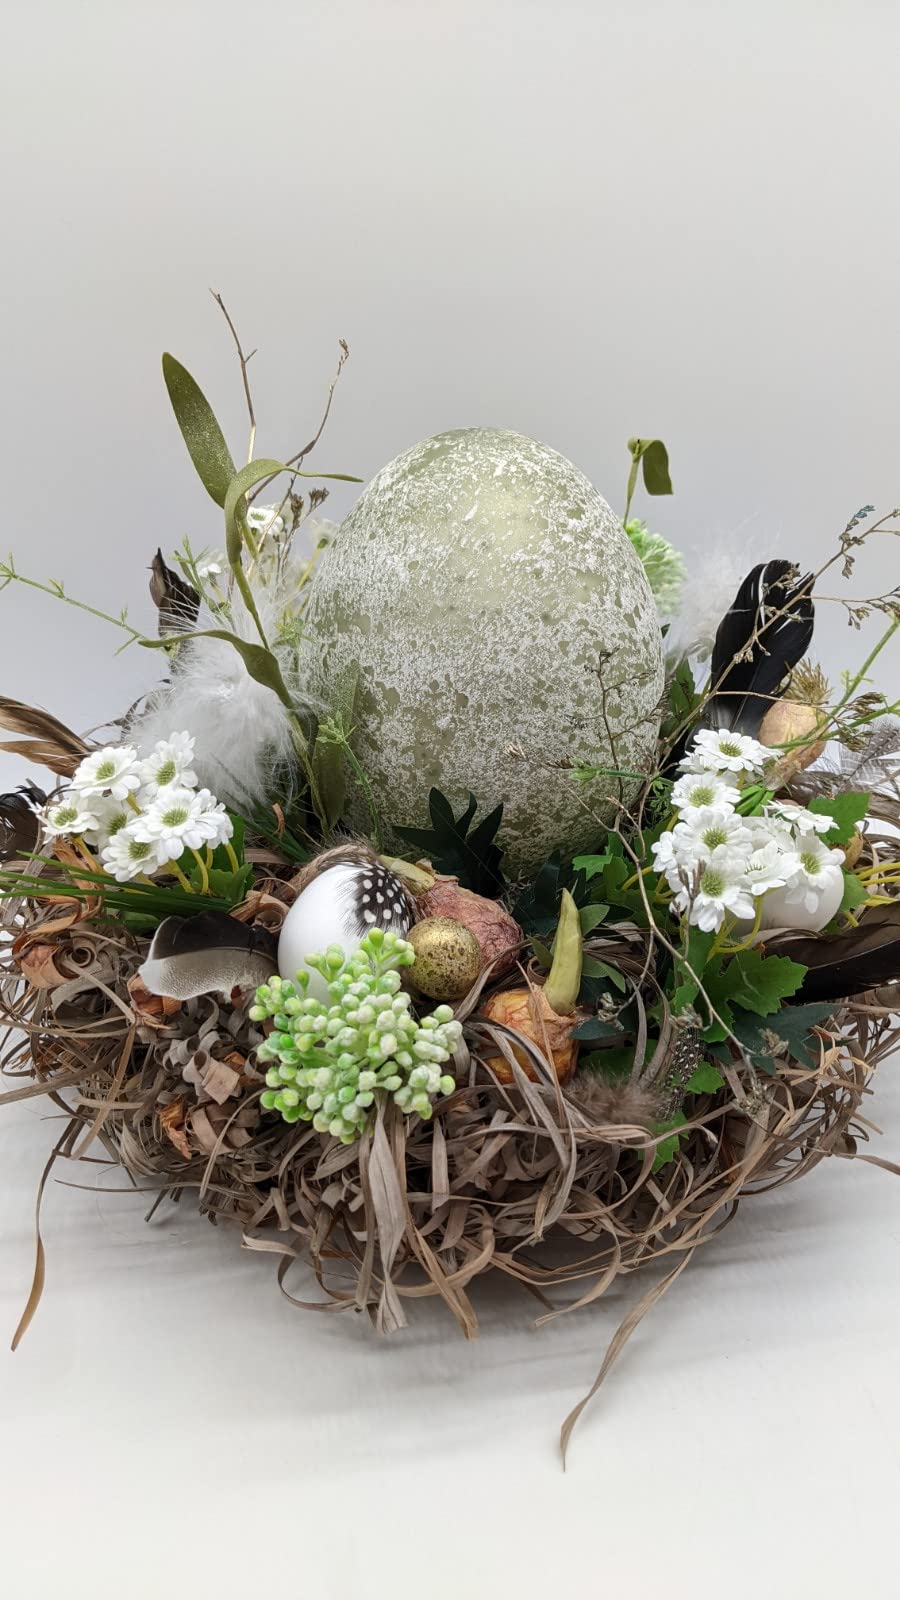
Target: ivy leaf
{"x":596,"y":1028}
{"x":760,"y":983}
{"x":473,"y":857}
{"x":668,"y":1149}
{"x":199,"y":429}
{"x":789,"y":1034}
{"x":847,"y":810}
{"x":697,"y":947}
{"x":706,"y":1080}
{"x":854,"y":893}
{"x":591,"y":865}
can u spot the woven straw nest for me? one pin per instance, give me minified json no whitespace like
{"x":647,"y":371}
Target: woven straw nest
{"x":554,"y":1187}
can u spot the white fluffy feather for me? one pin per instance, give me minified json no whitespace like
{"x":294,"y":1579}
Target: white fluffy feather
{"x":712,"y":581}
{"x":242,"y":731}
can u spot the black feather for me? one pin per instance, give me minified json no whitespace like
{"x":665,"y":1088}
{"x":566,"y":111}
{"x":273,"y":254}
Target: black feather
{"x":844,"y":964}
{"x":764,"y":633}
{"x":212,"y":953}
{"x":19,"y":824}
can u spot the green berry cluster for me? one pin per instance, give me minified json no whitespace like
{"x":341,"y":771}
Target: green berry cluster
{"x":328,"y":1062}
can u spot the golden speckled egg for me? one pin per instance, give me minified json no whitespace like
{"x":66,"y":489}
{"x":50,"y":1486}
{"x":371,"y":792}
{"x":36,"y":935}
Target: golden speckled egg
{"x":448,"y":959}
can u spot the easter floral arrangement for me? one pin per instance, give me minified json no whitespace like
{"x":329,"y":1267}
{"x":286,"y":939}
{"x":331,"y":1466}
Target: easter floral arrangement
{"x":460,"y":887}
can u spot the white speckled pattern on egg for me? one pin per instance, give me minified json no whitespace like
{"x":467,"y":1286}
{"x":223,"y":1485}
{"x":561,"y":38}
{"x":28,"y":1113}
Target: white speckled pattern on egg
{"x":490,"y":597}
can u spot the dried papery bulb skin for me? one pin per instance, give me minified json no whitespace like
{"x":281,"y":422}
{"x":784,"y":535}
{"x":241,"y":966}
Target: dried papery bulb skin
{"x":526,"y":1011}
{"x":784,"y":722}
{"x":448,"y":959}
{"x":546,"y":1017}
{"x":498,"y":934}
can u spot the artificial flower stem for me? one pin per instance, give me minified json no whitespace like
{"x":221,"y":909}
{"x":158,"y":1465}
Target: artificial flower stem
{"x":204,"y":874}
{"x":235,"y":864}
{"x":173,"y":867}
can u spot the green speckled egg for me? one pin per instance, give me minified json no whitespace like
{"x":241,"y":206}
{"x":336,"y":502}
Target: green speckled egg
{"x":490,"y":599}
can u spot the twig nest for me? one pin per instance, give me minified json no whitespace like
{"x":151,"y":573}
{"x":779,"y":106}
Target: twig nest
{"x":528,"y":1012}
{"x":339,"y":907}
{"x":786,"y":721}
{"x":498,"y":934}
{"x":448,"y":959}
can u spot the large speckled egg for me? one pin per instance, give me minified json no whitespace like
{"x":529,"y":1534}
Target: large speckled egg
{"x":490,"y":599}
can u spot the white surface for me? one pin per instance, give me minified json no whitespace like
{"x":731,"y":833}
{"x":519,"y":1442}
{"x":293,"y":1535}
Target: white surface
{"x":171,"y":1417}
{"x":582,"y":221}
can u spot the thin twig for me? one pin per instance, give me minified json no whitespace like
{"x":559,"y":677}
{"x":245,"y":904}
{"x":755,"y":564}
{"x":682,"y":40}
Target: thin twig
{"x":245,"y":362}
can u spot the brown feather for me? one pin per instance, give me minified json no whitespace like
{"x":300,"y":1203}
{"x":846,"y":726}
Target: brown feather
{"x":843,"y":964}
{"x":47,"y":740}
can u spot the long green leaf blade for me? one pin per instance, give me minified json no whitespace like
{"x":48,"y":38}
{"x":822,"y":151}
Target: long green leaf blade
{"x":200,"y":430}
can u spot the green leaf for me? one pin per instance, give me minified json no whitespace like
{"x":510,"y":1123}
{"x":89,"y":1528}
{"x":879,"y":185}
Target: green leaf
{"x":230,"y":886}
{"x":473,"y":857}
{"x":668,"y":1150}
{"x":652,"y":456}
{"x":847,"y":810}
{"x":590,"y":917}
{"x":235,"y":510}
{"x":592,"y":968}
{"x":596,"y":1028}
{"x":329,"y":759}
{"x":854,"y":893}
{"x":760,"y":983}
{"x":792,"y":1028}
{"x":591,"y":865}
{"x":706,"y":1080}
{"x":200,"y":430}
{"x":260,"y":662}
{"x":614,"y":1064}
{"x":695,"y":954}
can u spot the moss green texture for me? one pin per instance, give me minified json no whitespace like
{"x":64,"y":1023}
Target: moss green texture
{"x":490,"y":599}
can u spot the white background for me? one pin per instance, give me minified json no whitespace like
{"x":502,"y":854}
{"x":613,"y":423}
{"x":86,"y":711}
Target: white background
{"x":583,"y":221}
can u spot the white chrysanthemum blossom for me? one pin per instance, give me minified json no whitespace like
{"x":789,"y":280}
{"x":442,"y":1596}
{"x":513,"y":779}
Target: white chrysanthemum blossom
{"x":126,"y":856}
{"x":769,"y":866}
{"x":813,"y":894}
{"x":68,"y":817}
{"x":266,"y":521}
{"x":723,"y":750}
{"x":714,"y":887}
{"x":112,"y":771}
{"x":696,"y":789}
{"x":798,"y":818}
{"x":708,"y":829}
{"x":169,"y":765}
{"x":183,"y":819}
{"x":108,"y":818}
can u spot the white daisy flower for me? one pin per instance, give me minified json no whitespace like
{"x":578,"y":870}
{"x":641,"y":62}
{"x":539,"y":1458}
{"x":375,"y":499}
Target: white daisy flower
{"x":67,"y":816}
{"x":266,"y":519}
{"x":813,"y":895}
{"x":696,"y":789}
{"x":797,"y":817}
{"x":708,"y":829}
{"x":127,"y":857}
{"x":108,"y":816}
{"x":209,"y":569}
{"x":111,"y":771}
{"x":169,"y":765}
{"x":721,"y":750}
{"x":714,"y":887}
{"x":769,"y":867}
{"x":183,"y":819}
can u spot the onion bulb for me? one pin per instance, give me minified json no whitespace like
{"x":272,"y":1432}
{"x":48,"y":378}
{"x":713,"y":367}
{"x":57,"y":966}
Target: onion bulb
{"x":545,"y":1016}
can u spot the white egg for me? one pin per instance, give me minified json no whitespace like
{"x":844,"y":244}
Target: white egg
{"x":340,"y":907}
{"x":786,"y":908}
